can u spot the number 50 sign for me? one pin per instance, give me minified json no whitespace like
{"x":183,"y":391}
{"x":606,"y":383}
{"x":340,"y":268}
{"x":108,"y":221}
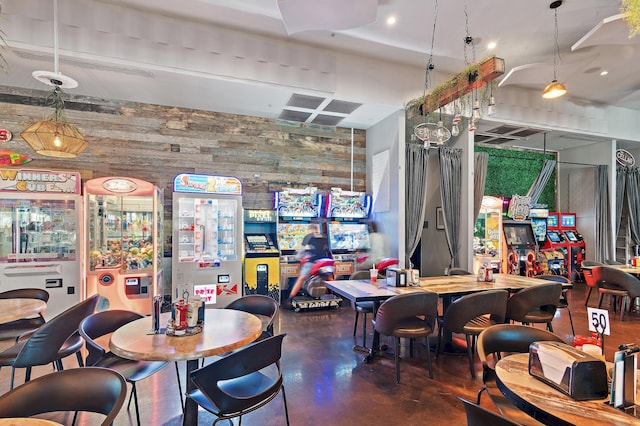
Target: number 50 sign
{"x":599,"y":320}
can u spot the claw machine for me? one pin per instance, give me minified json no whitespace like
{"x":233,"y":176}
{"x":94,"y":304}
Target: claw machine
{"x":124,"y":235}
{"x":207,"y":238}
{"x":40,"y":224}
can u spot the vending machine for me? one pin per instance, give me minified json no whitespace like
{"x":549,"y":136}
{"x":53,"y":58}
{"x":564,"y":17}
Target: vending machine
{"x":261,"y":254}
{"x":40,"y":234}
{"x":124,"y":236}
{"x":207,"y":238}
{"x":348,"y":228}
{"x":296,"y":209}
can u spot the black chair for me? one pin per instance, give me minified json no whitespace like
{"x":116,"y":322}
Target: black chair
{"x":535,"y":304}
{"x":103,"y":323}
{"x":506,"y":339}
{"x":587,"y":273}
{"x":51,"y":342}
{"x":470,"y":315}
{"x":409,"y":316}
{"x":241,"y":382}
{"x":13,"y":329}
{"x":479,"y":416}
{"x":91,"y":389}
{"x":459,"y":271}
{"x":258,"y":304}
{"x":363,"y":308}
{"x":612,"y":262}
{"x":617,"y":284}
{"x":563,"y":303}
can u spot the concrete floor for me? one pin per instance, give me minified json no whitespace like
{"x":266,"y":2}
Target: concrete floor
{"x":327,"y":383}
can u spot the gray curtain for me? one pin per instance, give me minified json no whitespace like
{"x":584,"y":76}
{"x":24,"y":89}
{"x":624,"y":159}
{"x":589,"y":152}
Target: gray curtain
{"x":621,"y":178}
{"x":450,"y":194}
{"x":479,"y":179}
{"x":633,"y":202}
{"x":417,"y":160}
{"x":603,"y":212}
{"x":541,"y":181}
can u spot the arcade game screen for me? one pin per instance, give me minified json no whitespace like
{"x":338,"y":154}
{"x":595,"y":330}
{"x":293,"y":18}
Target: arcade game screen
{"x":571,"y":236}
{"x":290,"y":235}
{"x":519,"y":234}
{"x":348,"y":237}
{"x":568,"y":221}
{"x":552,"y":221}
{"x":554,"y":237}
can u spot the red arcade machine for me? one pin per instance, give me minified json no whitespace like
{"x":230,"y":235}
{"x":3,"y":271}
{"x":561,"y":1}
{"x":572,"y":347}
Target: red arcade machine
{"x":575,"y":244}
{"x":348,"y":228}
{"x":555,"y":247}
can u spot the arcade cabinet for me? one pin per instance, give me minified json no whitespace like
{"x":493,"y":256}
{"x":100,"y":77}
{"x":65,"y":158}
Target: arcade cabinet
{"x":261,"y":254}
{"x":520,"y":247}
{"x":575,"y":245}
{"x":555,"y":247}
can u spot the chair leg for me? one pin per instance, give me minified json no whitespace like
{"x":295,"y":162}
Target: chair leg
{"x":470,"y":351}
{"x":573,"y":332}
{"x":586,"y":301}
{"x":550,"y":327}
{"x":600,"y":300}
{"x":623,"y":305}
{"x":482,"y":389}
{"x":286,"y":410}
{"x":180,"y":387}
{"x":79,"y":358}
{"x":429,"y":358}
{"x":364,"y":330}
{"x":439,"y":341}
{"x":134,"y":394}
{"x":355,"y":324}
{"x":396,"y":342}
{"x":13,"y":376}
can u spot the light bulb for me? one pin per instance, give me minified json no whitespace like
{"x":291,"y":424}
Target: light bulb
{"x":57,"y":142}
{"x":455,"y":131}
{"x":491,"y":110}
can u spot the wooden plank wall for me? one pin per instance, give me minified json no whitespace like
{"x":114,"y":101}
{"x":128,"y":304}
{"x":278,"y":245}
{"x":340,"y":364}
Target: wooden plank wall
{"x":155,"y":143}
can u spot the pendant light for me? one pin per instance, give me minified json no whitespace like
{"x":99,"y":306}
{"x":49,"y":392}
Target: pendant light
{"x":555,"y":89}
{"x":55,"y":137}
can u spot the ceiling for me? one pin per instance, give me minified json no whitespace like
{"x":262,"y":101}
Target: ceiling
{"x":147,"y":51}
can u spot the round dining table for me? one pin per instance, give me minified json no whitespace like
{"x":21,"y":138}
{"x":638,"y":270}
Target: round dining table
{"x":15,"y":309}
{"x":27,"y":421}
{"x":223,"y":331}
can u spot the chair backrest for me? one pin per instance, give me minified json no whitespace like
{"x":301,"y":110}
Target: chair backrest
{"x":588,"y":271}
{"x":249,"y":359}
{"x":466,"y":308}
{"x":545,"y":296}
{"x":459,"y":271}
{"x":612,"y":262}
{"x":555,"y":278}
{"x":42,"y":346}
{"x":479,"y":416}
{"x":26,"y":293}
{"x":403,"y":306}
{"x":99,"y":324}
{"x":614,"y":277}
{"x":360,"y":275}
{"x":257,"y":304}
{"x":91,"y":389}
{"x":511,"y":338}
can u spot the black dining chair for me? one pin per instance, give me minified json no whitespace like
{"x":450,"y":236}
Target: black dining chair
{"x":13,"y":329}
{"x":408,"y":316}
{"x":535,"y":304}
{"x":363,"y":308}
{"x":89,"y":389}
{"x":506,"y":339}
{"x":261,"y":305}
{"x":241,"y":382}
{"x":459,"y":271}
{"x":470,"y":315}
{"x":479,"y":416}
{"x":619,"y":285}
{"x":50,"y":342}
{"x":563,"y":303}
{"x":587,"y":274}
{"x":103,"y":323}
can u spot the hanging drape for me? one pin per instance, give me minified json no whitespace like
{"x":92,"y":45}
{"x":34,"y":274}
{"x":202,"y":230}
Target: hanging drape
{"x":479,"y":179}
{"x":633,"y":202}
{"x":416,"y":163}
{"x":621,"y":179}
{"x":450,"y":194}
{"x":541,"y":181}
{"x":603,"y":214}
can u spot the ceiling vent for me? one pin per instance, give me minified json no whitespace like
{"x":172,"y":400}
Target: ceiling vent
{"x":496,"y":134}
{"x":317,"y":110}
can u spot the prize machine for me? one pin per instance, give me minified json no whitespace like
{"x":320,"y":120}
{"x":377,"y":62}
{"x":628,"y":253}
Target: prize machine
{"x":124,"y":234}
{"x":348,"y":228}
{"x":296,"y":210}
{"x":487,"y":235}
{"x":40,"y":223}
{"x":555,"y":247}
{"x":261,"y":254}
{"x":575,"y":245}
{"x":520,"y":247}
{"x":550,"y":261}
{"x":207,"y":238}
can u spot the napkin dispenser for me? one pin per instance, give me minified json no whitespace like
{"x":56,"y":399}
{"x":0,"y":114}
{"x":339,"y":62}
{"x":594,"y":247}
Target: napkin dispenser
{"x":572,"y":372}
{"x":396,"y":277}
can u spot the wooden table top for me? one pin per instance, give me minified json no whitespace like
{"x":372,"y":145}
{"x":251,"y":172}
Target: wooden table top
{"x":28,"y":421}
{"x":531,"y":394}
{"x":454,"y":285}
{"x":14,"y":309}
{"x":224,"y":330}
{"x":634,"y":270}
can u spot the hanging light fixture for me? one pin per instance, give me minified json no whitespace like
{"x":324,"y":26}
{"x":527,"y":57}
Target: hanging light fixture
{"x":55,"y":137}
{"x":555,"y":89}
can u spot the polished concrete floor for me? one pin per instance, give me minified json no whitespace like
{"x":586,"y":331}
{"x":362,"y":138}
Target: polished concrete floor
{"x":327,"y":382}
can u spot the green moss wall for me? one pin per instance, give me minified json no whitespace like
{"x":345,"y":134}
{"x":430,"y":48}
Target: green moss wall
{"x":512,"y":172}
